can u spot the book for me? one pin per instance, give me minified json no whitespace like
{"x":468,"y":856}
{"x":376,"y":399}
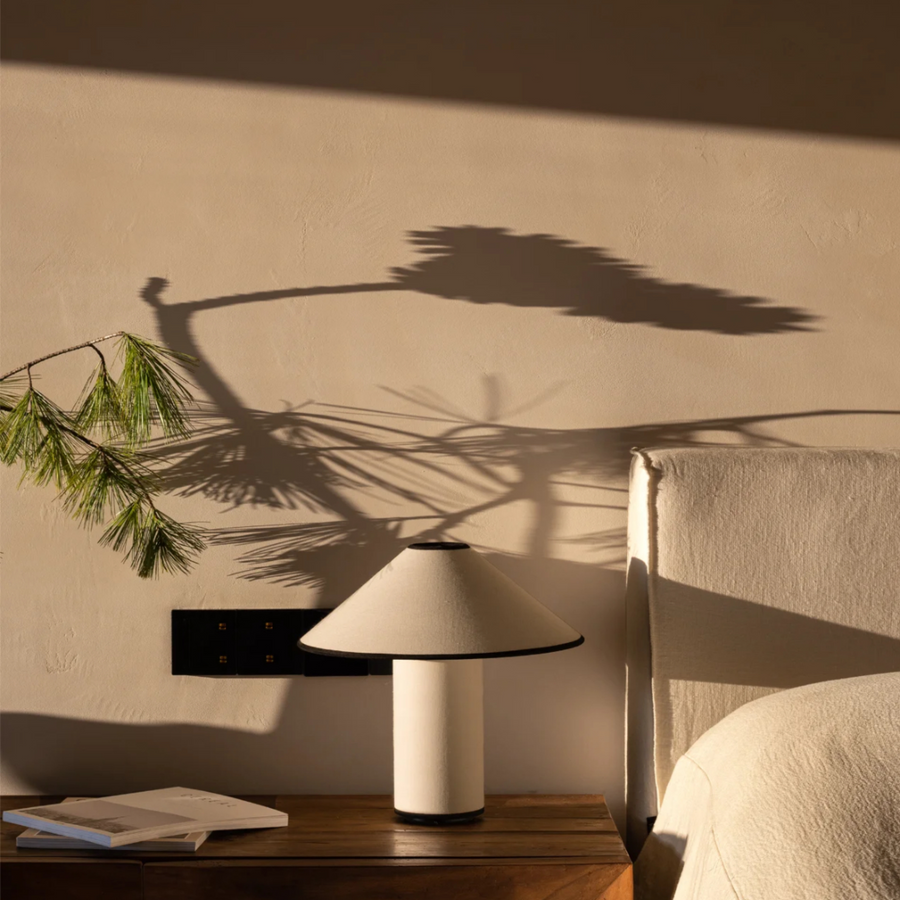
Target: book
{"x":128,"y":818}
{"x":33,"y":839}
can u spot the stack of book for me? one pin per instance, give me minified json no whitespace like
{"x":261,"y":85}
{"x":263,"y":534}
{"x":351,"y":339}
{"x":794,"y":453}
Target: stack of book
{"x":171,"y":819}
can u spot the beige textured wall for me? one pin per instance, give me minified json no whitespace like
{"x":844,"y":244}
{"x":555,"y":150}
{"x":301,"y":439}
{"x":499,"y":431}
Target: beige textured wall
{"x":589,"y":289}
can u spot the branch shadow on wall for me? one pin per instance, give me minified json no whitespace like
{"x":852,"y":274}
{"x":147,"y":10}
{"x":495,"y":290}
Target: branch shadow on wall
{"x":495,"y":265}
{"x":426,"y":462}
{"x":505,"y":464}
{"x":276,"y":459}
{"x":304,"y":458}
{"x":486,"y":265}
{"x":469,"y":263}
{"x":442,"y":467}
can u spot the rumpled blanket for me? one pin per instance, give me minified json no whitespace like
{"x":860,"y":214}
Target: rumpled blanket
{"x":794,"y":796}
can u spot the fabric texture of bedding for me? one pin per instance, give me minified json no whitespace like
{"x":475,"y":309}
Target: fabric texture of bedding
{"x":750,"y":571}
{"x":793,"y":796}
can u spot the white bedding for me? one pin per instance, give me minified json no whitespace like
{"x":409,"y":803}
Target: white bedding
{"x":793,"y":796}
{"x":751,"y":570}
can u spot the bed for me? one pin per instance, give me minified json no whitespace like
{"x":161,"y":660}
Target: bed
{"x":763,"y":711}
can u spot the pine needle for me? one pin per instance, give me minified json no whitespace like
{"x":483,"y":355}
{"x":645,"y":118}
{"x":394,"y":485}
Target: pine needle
{"x":100,"y":404}
{"x":151,"y":390}
{"x":152,"y":541}
{"x":37,"y":434}
{"x":105,"y":480}
{"x":21,"y":433}
{"x":11,"y":389}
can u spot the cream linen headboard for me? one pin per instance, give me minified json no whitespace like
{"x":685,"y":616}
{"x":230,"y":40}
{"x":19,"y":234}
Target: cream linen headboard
{"x":749,"y":571}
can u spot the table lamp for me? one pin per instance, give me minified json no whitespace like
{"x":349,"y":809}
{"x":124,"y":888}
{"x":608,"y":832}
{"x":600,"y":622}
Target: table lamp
{"x":437,"y":610}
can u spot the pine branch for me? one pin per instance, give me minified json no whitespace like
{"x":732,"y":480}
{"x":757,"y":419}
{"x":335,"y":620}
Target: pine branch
{"x":152,"y":540}
{"x":41,"y":359}
{"x":105,"y":480}
{"x":38,"y":434}
{"x":107,"y":477}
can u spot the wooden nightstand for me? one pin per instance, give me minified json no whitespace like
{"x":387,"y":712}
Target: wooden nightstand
{"x":351,"y":847}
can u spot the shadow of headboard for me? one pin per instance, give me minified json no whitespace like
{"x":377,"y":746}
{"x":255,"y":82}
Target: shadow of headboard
{"x":750,"y":571}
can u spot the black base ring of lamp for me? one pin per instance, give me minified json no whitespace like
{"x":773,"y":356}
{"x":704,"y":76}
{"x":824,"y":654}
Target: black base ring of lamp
{"x":439,"y":818}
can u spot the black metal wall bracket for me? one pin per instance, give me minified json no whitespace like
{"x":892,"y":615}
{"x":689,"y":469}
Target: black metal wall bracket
{"x":252,"y":642}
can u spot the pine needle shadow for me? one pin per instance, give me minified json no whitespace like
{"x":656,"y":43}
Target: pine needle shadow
{"x":495,"y":265}
{"x":446,"y":471}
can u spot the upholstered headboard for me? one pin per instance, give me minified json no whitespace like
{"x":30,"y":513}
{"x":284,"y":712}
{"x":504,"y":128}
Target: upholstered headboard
{"x":749,"y":571}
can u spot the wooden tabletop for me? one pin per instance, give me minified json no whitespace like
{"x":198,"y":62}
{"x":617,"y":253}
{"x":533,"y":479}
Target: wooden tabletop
{"x":363,"y":830}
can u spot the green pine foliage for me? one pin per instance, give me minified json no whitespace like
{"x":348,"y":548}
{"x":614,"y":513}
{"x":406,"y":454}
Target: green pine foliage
{"x":35,"y":432}
{"x":95,"y":454}
{"x":152,"y":540}
{"x":152,"y":390}
{"x":100,"y":405}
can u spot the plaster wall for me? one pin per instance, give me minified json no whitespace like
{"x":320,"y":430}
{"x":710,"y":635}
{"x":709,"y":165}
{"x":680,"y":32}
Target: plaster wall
{"x":573,"y":285}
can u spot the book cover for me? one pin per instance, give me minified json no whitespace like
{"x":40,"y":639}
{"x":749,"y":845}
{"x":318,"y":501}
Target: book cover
{"x":125,"y":819}
{"x":33,"y":839}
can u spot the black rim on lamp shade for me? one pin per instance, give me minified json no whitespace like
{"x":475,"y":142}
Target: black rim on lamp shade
{"x":439,"y":545}
{"x":437,"y":656}
{"x":439,"y":818}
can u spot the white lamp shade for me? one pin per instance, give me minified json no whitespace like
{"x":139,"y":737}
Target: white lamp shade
{"x":440,"y":601}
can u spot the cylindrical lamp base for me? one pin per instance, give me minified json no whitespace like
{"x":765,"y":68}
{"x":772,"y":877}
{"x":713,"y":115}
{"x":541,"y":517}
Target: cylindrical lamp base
{"x":438,"y":740}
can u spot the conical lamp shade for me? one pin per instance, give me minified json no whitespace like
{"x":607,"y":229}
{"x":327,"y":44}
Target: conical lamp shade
{"x":440,"y":601}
